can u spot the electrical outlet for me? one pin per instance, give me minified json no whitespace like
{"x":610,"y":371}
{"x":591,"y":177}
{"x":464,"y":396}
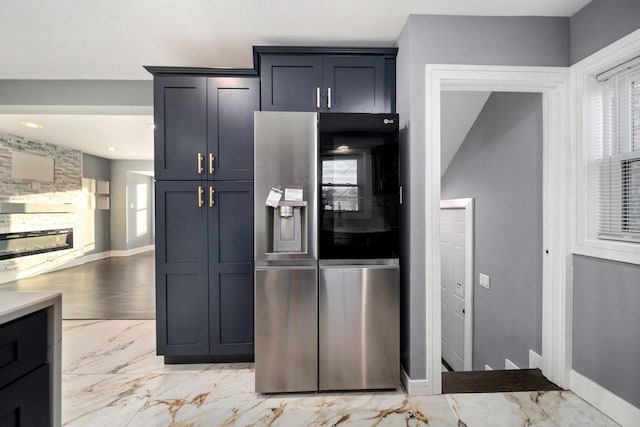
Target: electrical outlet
{"x":485,"y":281}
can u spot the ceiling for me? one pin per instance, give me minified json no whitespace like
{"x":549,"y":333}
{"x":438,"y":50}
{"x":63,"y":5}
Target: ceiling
{"x":113,"y":39}
{"x":131,"y":137}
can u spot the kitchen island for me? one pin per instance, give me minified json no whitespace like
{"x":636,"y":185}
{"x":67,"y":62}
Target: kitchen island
{"x":30,"y":357}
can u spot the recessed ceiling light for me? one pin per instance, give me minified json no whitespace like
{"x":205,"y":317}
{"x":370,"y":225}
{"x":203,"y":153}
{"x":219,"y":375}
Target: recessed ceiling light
{"x":111,"y":148}
{"x":31,"y":125}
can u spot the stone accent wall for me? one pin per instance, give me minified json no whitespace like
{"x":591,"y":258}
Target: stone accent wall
{"x":67,"y":182}
{"x":66,"y":188}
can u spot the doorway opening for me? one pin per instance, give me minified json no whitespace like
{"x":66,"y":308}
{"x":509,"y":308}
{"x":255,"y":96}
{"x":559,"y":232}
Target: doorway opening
{"x":492,"y":322}
{"x":552,"y":84}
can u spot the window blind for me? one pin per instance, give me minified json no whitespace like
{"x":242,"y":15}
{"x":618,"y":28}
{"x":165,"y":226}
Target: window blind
{"x":618,"y":155}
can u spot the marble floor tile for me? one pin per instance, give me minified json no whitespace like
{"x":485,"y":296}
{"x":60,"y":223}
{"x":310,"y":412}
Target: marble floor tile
{"x":112,"y":377}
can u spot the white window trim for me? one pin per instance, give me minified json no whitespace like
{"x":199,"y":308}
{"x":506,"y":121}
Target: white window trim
{"x":584,"y":241}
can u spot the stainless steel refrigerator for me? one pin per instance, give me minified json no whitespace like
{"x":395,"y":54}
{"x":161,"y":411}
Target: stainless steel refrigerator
{"x":326,"y":184}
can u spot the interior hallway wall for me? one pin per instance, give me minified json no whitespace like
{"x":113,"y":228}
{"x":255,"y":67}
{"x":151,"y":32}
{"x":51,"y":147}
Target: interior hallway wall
{"x":98,"y":168}
{"x":439,"y":39}
{"x":119,"y":174}
{"x":499,"y":165}
{"x":139,"y":210}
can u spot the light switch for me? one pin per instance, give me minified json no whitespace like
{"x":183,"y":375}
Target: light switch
{"x":485,"y":281}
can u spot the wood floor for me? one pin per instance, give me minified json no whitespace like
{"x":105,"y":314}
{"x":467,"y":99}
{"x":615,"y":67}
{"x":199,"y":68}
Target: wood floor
{"x":496,"y":381}
{"x":111,"y":288}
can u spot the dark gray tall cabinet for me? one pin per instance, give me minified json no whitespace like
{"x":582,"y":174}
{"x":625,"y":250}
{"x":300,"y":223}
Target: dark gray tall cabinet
{"x":204,"y":212}
{"x":204,"y":181}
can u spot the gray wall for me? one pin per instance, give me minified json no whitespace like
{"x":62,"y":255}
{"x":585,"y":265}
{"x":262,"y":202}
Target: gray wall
{"x":140,"y":200}
{"x":98,"y":168}
{"x":606,"y":319}
{"x":431,"y":39}
{"x":119,"y":174}
{"x":600,"y":23}
{"x":606,"y":340}
{"x":499,"y":164}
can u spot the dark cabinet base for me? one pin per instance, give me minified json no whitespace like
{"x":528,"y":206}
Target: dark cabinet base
{"x":227,"y":358}
{"x":25,"y":402}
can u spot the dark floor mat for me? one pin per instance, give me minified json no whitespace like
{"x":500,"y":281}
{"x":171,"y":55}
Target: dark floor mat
{"x":496,"y":381}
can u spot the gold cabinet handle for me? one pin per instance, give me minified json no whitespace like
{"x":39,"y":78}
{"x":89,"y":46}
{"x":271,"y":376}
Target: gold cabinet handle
{"x":200,"y":191}
{"x":211,"y":201}
{"x":200,"y":159}
{"x":318,"y":97}
{"x":211,"y":159}
{"x":329,"y":98}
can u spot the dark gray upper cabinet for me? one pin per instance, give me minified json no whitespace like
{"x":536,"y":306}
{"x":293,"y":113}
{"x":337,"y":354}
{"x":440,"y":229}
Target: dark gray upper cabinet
{"x":291,"y":82}
{"x":355,"y":84}
{"x":180,"y":118}
{"x":204,"y":127}
{"x":231,"y":102}
{"x":327,"y":79}
{"x":204,"y":268}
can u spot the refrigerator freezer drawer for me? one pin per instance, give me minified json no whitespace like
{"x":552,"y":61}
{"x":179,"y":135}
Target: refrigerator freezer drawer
{"x":286,"y":329}
{"x":359,"y":342}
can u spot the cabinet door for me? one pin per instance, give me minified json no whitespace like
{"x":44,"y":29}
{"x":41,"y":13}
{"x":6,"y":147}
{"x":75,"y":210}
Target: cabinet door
{"x":25,"y":402}
{"x":180,"y":116}
{"x":231,"y":103}
{"x":231,"y":268}
{"x":355,"y":84}
{"x":182,"y":293}
{"x":291,"y":82}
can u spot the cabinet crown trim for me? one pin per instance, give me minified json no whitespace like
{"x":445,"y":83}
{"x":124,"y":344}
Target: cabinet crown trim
{"x":200,"y":71}
{"x":389,"y":52}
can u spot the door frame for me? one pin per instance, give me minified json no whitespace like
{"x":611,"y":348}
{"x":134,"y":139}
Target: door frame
{"x":467,"y":205}
{"x":553,"y":84}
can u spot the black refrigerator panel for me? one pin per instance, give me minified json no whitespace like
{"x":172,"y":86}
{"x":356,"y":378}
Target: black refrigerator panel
{"x":359,"y":186}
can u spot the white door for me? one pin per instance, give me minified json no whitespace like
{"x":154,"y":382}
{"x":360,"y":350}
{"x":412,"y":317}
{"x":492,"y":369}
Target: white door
{"x":452,"y":250}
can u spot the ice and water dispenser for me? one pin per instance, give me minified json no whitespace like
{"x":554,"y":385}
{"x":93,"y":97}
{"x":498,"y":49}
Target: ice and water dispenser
{"x":288,"y":219}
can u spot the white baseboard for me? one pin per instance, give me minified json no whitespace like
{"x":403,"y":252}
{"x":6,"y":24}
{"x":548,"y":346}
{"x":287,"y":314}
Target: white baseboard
{"x":605,"y":401}
{"x":535,"y":360}
{"x":134,"y":251}
{"x":415,"y":387}
{"x":508,"y":364}
{"x":96,"y":256}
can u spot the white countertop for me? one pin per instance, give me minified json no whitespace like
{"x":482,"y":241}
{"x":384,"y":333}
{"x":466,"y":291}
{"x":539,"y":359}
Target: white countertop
{"x":14,"y":304}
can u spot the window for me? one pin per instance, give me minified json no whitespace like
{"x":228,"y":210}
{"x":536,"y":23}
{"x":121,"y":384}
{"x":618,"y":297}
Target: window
{"x":616,"y":152}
